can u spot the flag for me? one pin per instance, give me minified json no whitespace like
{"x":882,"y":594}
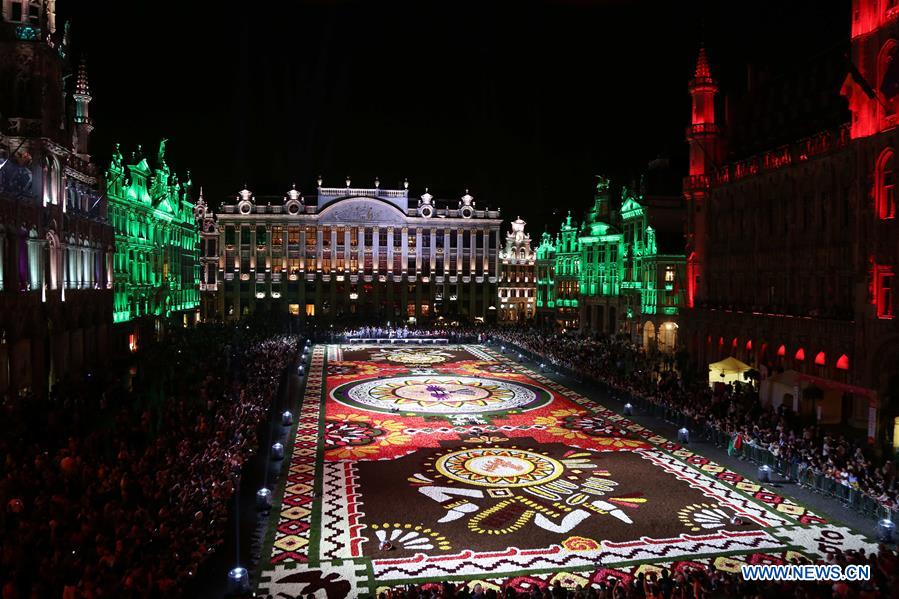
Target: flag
{"x":735,"y":445}
{"x":861,"y":81}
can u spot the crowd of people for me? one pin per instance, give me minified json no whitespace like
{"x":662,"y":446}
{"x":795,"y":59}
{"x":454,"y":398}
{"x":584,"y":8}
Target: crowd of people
{"x":119,"y":486}
{"x":733,"y":409}
{"x":687,"y":583}
{"x":455,"y":333}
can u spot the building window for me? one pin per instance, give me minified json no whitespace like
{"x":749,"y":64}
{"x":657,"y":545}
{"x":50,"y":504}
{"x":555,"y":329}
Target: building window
{"x":669,"y":275}
{"x":885,"y":193}
{"x":277,"y":236}
{"x":884,"y":292}
{"x":888,"y":74}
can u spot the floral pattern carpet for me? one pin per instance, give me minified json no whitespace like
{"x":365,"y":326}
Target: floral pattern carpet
{"x":426,"y":464}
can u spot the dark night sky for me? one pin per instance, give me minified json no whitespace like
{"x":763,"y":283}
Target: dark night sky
{"x":522,"y":102}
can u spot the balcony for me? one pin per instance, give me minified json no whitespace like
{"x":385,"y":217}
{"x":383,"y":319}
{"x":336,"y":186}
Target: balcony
{"x":701,"y":129}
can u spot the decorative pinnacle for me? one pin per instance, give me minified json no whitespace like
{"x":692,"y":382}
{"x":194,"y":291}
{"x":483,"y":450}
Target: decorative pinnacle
{"x":319,"y":180}
{"x":82,"y":85}
{"x":703,"y":71}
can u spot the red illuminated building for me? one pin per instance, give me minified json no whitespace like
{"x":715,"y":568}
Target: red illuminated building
{"x":792,"y":252}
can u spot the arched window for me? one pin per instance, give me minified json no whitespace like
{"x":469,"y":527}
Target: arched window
{"x":843,"y":362}
{"x":888,"y":77}
{"x":55,"y":255}
{"x":885,"y":193}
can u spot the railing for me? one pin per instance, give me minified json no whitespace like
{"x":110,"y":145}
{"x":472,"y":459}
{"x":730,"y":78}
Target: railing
{"x":794,"y":470}
{"x":694,"y":182}
{"x":702,"y":129}
{"x":821,"y":143}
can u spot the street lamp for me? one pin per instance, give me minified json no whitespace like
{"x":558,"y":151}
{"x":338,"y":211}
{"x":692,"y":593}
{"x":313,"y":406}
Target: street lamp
{"x":238,"y":580}
{"x":263,"y":499}
{"x":885,"y":530}
{"x":277,"y":451}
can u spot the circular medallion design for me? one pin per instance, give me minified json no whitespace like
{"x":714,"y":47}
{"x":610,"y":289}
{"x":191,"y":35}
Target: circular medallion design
{"x":499,"y":467}
{"x":415,"y":356}
{"x":440,"y":395}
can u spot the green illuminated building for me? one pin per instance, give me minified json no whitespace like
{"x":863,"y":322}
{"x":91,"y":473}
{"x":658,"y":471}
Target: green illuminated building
{"x":612,"y":274}
{"x":546,"y":273}
{"x":156,"y":265}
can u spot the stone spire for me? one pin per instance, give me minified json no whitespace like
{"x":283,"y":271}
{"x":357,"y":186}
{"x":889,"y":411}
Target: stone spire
{"x":83,"y":124}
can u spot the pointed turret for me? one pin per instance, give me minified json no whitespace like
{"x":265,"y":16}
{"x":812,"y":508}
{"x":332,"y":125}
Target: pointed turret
{"x":706,"y":153}
{"x":703,"y":72}
{"x":83,"y":124}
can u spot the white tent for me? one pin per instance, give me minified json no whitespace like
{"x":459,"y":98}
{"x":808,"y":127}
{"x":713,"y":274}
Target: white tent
{"x":727,"y":371}
{"x":783,"y":385}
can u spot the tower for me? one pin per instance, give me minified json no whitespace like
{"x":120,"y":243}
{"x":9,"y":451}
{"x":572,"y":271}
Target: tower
{"x":83,"y":125}
{"x":872,"y":86}
{"x":32,"y":65}
{"x":706,"y":152}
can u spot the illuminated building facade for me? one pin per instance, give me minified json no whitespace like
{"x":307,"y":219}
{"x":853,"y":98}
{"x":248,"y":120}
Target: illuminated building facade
{"x":614,"y":273}
{"x":156,"y":265}
{"x":545,"y":263}
{"x":517,"y":284}
{"x":351,"y":251}
{"x":631,"y":278}
{"x":792,"y":252}
{"x":55,"y":242}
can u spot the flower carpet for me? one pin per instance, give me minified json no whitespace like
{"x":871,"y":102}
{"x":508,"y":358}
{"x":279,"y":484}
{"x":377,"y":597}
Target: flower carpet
{"x":428,"y":464}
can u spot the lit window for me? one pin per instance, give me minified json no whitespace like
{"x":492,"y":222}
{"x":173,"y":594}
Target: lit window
{"x":843,"y":362}
{"x":884,"y":292}
{"x":669,"y":275}
{"x":885,"y":192}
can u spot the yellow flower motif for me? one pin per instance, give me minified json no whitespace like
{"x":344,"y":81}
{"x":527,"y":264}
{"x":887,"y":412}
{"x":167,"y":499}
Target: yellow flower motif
{"x":352,"y":452}
{"x":790,"y":508}
{"x":728,"y":564}
{"x":567,"y":412}
{"x":580,"y":544}
{"x":486,"y":439}
{"x":566,"y":433}
{"x":748,"y":486}
{"x":545,"y":421}
{"x":713,"y":468}
{"x":395,"y":439}
{"x":390,"y":425}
